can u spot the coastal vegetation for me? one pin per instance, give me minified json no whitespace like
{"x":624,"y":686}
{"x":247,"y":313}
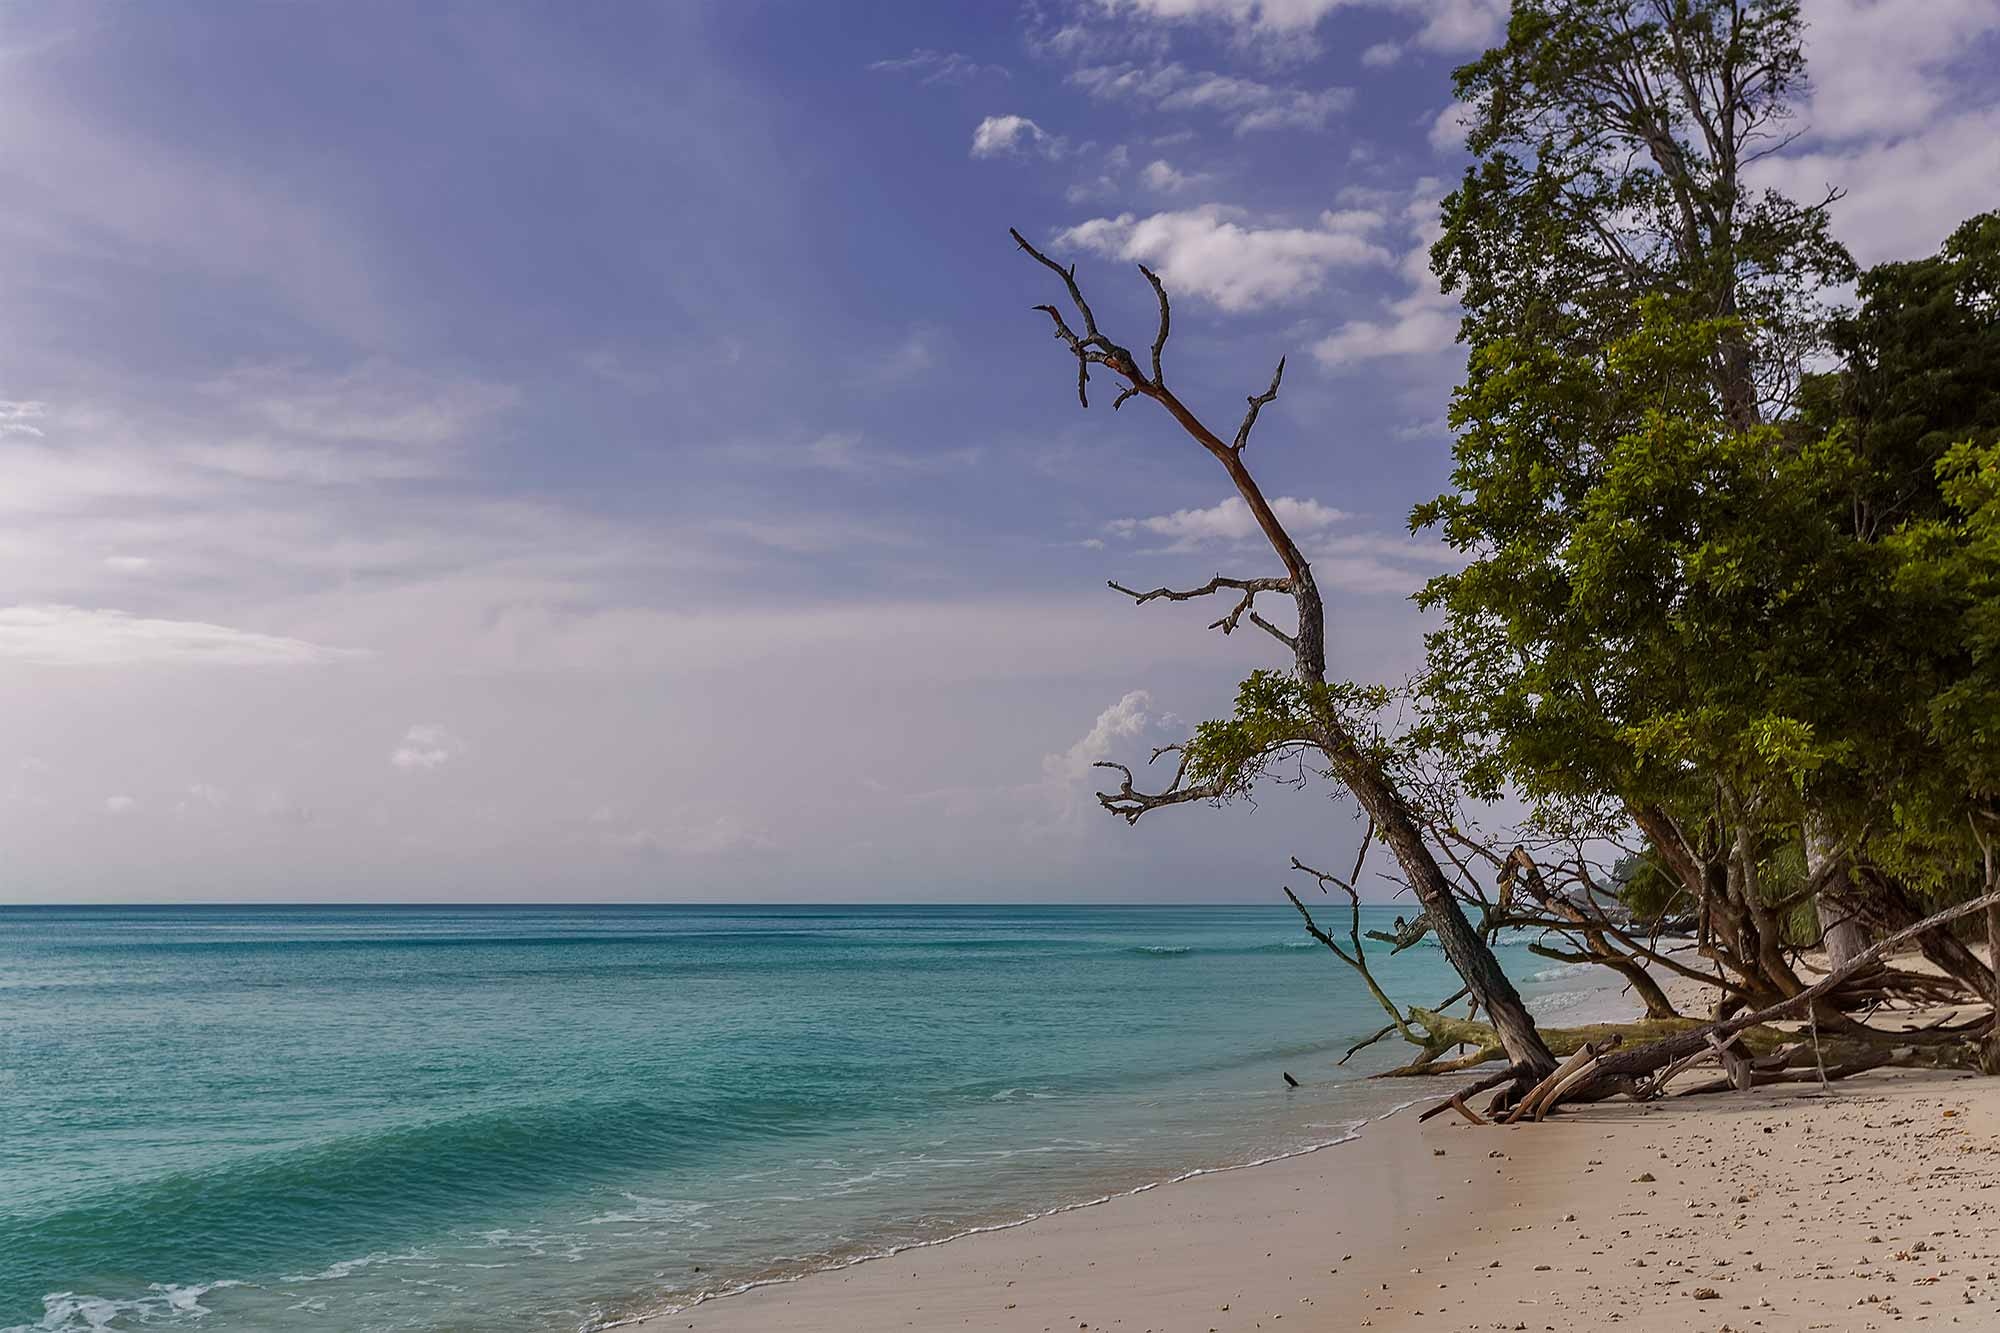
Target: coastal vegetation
{"x":1726,"y":624}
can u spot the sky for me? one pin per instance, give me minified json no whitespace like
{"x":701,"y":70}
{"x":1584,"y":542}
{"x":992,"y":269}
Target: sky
{"x":551,"y":452}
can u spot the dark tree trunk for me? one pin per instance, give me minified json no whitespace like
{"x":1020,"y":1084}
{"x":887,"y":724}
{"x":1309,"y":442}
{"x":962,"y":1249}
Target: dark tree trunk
{"x":1491,"y":987}
{"x":1889,"y":907}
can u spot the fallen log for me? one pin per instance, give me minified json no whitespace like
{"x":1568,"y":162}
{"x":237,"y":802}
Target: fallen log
{"x":1627,"y":1065}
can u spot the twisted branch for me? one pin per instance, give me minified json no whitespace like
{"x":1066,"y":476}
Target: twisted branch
{"x":1227,"y":624}
{"x":1128,"y":802}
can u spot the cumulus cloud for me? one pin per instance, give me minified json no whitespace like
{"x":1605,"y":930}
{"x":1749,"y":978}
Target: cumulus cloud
{"x":1163,"y":176}
{"x":425,"y":745}
{"x":1245,"y":105}
{"x":1875,"y":65}
{"x":1449,"y":129}
{"x":75,"y":636}
{"x":1902,"y":117}
{"x":1421,"y":322}
{"x":1119,"y":723}
{"x":1009,"y":136}
{"x":1217,"y":253}
{"x":1903,"y":196}
{"x":1229,"y":521}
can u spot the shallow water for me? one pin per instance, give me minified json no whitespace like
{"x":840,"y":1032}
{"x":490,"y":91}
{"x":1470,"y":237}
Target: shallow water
{"x":505,"y":1118}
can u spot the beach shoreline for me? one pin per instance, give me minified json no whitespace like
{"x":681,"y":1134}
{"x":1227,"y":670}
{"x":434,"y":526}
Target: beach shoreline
{"x":1785,"y":1208}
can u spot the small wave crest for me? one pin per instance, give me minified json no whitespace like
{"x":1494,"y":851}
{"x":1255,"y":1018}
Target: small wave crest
{"x":72,"y":1312}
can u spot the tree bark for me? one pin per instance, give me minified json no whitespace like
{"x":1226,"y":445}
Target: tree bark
{"x":1841,"y":928}
{"x":1491,"y":987}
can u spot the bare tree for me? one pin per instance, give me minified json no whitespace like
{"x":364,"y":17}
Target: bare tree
{"x":1320,"y":725}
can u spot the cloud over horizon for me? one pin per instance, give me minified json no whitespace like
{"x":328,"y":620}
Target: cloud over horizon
{"x":693,"y":504}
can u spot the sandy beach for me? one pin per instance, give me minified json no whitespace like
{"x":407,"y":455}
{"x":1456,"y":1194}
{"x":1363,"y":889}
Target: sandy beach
{"x":1865,"y":1206}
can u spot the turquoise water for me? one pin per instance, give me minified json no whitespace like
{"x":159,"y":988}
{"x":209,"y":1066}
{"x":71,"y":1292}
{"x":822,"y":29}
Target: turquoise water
{"x":557,"y":1118}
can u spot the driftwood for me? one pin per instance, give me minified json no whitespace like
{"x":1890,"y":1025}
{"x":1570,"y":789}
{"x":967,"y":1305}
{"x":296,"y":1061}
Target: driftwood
{"x":1456,"y":1102}
{"x":1618,"y":1071}
{"x":1567,"y":1074}
{"x":1753,"y":1053}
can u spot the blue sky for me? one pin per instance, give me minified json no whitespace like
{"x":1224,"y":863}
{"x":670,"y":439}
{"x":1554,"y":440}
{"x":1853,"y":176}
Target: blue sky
{"x":544,"y":451}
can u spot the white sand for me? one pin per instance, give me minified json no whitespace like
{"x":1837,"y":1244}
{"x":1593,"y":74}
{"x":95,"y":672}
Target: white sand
{"x":1874,"y":1206}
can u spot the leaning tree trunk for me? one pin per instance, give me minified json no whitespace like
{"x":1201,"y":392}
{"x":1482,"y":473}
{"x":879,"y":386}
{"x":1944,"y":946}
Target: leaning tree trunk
{"x":1889,"y":907}
{"x":1362,"y":776}
{"x":1476,"y":965}
{"x":1841,"y":927}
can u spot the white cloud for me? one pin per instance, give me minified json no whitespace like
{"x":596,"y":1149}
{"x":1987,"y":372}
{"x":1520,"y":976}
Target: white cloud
{"x":1213,"y":252}
{"x":1119,"y":723}
{"x":1423,"y":321}
{"x":1447,"y":25}
{"x":1008,"y":136}
{"x":1449,"y":128}
{"x":1245,"y":105}
{"x":128,"y":564}
{"x":1163,"y":176}
{"x":1228,"y":521}
{"x":18,"y":416}
{"x":1417,"y":326}
{"x":75,"y":636}
{"x":1381,"y":55}
{"x":1902,"y":117}
{"x":1378,"y":562}
{"x":1875,"y":65}
{"x":1904,"y":196}
{"x":425,"y":745}
{"x":120,"y":805}
{"x":939,"y":67}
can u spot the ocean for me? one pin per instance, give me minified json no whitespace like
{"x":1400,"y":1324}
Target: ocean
{"x":563,"y":1118}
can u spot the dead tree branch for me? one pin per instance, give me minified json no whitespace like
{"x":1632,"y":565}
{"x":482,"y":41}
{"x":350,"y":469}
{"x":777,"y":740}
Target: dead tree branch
{"x":1227,"y":624}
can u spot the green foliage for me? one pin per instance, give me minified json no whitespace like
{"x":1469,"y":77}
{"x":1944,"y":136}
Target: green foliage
{"x":1699,"y":580}
{"x":1646,"y":890}
{"x":1609,"y":136}
{"x":1275,"y":713}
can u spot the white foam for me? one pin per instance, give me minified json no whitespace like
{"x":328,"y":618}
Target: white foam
{"x":1351,"y":1132}
{"x":70,"y":1312}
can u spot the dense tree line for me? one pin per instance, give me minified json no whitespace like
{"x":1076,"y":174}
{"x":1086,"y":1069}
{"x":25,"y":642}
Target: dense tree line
{"x":1728,"y":622}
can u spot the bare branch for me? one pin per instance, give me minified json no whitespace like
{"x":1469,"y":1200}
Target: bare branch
{"x":1274,"y":631}
{"x":1248,"y":587}
{"x":1068,"y":275}
{"x":1166,"y":320}
{"x":1090,"y":345}
{"x":1257,"y":402}
{"x":1128,"y":802}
